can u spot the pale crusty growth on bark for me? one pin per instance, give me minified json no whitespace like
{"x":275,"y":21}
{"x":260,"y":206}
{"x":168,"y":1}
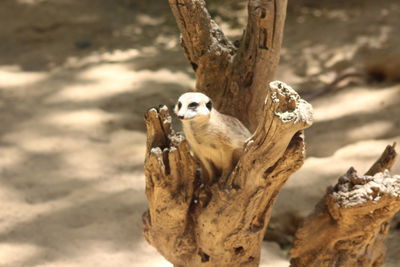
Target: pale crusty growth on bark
{"x":223,"y":224}
{"x":235,"y":77}
{"x":349,"y":225}
{"x":353,"y":190}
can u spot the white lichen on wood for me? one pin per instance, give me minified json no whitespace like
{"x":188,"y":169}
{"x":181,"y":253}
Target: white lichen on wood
{"x":176,"y":138}
{"x":349,"y":225}
{"x":156,"y":151}
{"x":299,"y":109}
{"x":304,"y":112}
{"x":353,"y":190}
{"x":167,"y":118}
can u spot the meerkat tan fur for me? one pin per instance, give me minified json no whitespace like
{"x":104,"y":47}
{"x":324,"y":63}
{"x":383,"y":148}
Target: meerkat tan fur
{"x":216,"y":139}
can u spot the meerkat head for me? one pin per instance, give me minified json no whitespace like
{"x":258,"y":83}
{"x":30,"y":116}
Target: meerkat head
{"x":193,"y":106}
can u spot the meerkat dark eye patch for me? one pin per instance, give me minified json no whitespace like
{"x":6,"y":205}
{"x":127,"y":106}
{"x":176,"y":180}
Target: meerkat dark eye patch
{"x":179,"y":105}
{"x":193,"y":105}
{"x":209,"y":105}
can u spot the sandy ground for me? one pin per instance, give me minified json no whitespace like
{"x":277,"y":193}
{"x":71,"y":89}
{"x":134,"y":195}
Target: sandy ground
{"x":76,"y":77}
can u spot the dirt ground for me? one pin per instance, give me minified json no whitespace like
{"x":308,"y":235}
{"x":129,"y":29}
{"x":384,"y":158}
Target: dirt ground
{"x":77,"y":75}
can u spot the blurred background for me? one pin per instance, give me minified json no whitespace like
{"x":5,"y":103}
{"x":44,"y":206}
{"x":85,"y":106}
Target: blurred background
{"x":76,"y":77}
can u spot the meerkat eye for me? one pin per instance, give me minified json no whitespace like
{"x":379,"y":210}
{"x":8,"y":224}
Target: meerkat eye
{"x":209,"y":105}
{"x":193,"y":105}
{"x":179,"y":105}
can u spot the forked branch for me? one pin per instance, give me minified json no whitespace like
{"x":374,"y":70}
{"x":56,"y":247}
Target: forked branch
{"x":222,"y":224}
{"x":235,"y":77}
{"x":201,"y":36}
{"x":258,"y":55}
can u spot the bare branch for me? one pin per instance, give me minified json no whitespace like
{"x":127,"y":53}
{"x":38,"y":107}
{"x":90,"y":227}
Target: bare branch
{"x":349,"y":225}
{"x":257,"y":58}
{"x":385,"y":161}
{"x":201,"y":36}
{"x":235,"y":80}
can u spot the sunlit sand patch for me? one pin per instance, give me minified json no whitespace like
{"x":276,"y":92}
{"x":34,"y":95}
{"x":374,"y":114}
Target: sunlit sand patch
{"x":10,"y":157}
{"x":166,"y":41}
{"x":149,"y":20}
{"x":361,"y":155}
{"x":30,"y":2}
{"x":272,"y":256}
{"x":307,"y":186}
{"x":34,"y":141}
{"x":13,"y":76}
{"x":116,"y":56}
{"x":13,"y":254}
{"x":97,"y":82}
{"x":370,"y":130}
{"x":78,"y":119}
{"x":105,"y":80}
{"x":364,"y":153}
{"x":127,"y":145}
{"x":87,"y":164}
{"x":147,"y":256}
{"x":354,"y":101}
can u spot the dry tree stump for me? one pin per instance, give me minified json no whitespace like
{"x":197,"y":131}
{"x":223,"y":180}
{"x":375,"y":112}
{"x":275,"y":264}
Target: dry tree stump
{"x":223,"y":224}
{"x":349,"y":225}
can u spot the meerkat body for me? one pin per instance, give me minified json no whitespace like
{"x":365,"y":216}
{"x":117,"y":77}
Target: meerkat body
{"x":216,"y":139}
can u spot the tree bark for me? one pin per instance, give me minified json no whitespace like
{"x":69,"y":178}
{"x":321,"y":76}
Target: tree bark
{"x":235,"y":77}
{"x":224,"y":224}
{"x":350,"y":223}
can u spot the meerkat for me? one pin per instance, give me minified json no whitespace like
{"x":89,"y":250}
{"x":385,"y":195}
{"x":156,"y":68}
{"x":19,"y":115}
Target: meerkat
{"x":217,"y":140}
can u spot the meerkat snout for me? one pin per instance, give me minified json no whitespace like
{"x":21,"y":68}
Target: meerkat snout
{"x":216,"y":139}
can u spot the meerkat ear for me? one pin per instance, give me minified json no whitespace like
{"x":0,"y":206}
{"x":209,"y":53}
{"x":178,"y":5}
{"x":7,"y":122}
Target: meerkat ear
{"x":209,"y":105}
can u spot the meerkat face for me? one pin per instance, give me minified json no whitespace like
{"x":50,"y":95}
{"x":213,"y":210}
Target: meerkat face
{"x":193,"y":106}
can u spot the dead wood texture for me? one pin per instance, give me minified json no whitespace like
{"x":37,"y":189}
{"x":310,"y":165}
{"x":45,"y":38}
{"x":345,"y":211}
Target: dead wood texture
{"x":234,"y":76}
{"x":224,"y":224}
{"x":350,"y":223}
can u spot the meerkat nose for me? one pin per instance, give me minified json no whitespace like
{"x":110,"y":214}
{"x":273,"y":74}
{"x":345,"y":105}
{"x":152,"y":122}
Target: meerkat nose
{"x":181,"y":117}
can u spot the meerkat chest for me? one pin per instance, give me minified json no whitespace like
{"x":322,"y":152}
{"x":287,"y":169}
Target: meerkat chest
{"x":202,"y":135}
{"x":206,"y":141}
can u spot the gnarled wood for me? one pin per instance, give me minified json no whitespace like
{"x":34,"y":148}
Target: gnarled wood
{"x":169,"y":188}
{"x":236,"y":78}
{"x":224,"y":224}
{"x":350,"y":223}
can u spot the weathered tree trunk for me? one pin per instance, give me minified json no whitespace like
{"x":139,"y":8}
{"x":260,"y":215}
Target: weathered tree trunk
{"x":223,"y":224}
{"x":234,"y":76}
{"x":350,"y":223}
